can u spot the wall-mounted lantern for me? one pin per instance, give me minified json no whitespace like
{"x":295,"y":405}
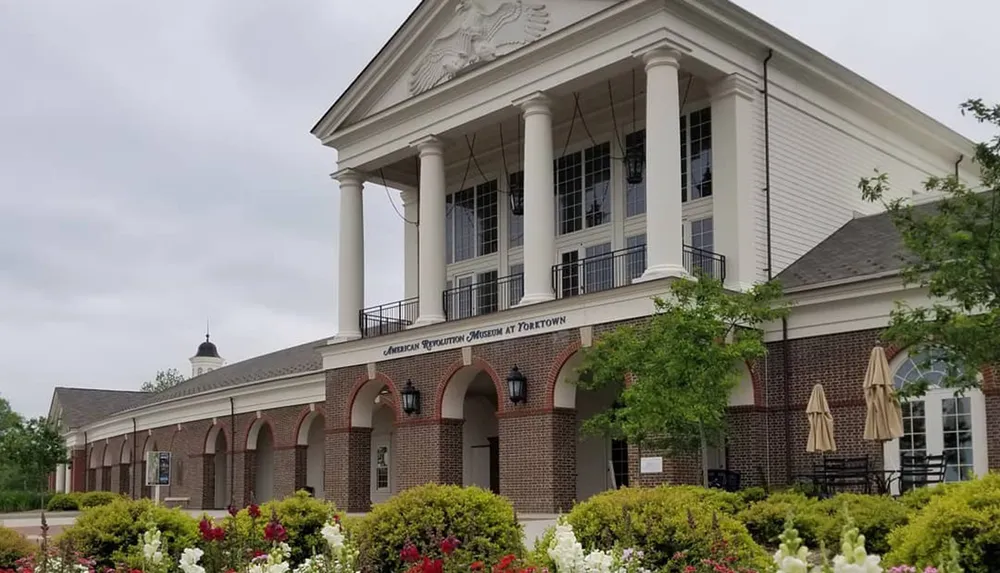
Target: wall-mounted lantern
{"x":517,"y":386}
{"x":411,"y":399}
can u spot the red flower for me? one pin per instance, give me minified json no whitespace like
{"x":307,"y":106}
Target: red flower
{"x":274,"y":531}
{"x":254,"y":510}
{"x":232,"y":510}
{"x":476,"y":566}
{"x":137,"y":571}
{"x":258,"y":553}
{"x":435,"y":566}
{"x":409,"y":553}
{"x":448,"y":545}
{"x":506,"y":562}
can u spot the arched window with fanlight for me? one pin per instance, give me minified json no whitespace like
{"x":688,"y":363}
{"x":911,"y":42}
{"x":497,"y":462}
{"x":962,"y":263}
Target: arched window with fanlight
{"x":939,"y":422}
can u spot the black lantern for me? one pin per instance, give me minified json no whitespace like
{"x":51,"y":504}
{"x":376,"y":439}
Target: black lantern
{"x":517,"y":386}
{"x":635,"y":164}
{"x":516,"y":191}
{"x":411,"y":399}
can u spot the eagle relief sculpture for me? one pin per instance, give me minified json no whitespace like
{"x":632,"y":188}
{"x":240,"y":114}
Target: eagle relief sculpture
{"x":482,"y":36}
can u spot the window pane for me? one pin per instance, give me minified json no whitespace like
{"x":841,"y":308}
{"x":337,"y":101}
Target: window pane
{"x":465,"y":225}
{"x":597,"y":178}
{"x":569,"y":193}
{"x":516,"y":286}
{"x":635,"y":195}
{"x":597,"y":268}
{"x":924,"y":366}
{"x":956,"y":414}
{"x":465,"y":297}
{"x":486,"y":217}
{"x":701,"y":153}
{"x":515,"y":226}
{"x":684,"y":159}
{"x":635,"y":260}
{"x":486,"y":292}
{"x":570,"y":272}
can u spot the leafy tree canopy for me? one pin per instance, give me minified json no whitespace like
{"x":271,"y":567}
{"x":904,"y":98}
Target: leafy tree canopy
{"x":955,"y":245}
{"x":164,"y":379}
{"x":683,"y":363}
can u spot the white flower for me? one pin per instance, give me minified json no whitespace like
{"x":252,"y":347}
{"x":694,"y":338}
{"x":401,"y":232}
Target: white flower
{"x":189,"y":561}
{"x":151,"y":546}
{"x":334,"y":535}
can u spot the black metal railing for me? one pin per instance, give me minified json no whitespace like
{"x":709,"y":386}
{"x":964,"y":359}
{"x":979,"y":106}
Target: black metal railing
{"x":387,"y":318}
{"x":620,"y":268}
{"x":701,"y":262}
{"x":486,"y":297}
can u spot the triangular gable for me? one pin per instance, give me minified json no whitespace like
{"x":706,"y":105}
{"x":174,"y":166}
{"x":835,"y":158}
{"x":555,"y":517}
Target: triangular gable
{"x":443,"y":39}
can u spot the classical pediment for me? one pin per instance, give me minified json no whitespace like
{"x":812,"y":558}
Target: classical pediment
{"x":444,"y":40}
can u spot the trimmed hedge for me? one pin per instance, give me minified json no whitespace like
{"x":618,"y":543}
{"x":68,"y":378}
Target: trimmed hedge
{"x":64,"y":502}
{"x":13,"y":546}
{"x":968,"y":512}
{"x":765,"y":519}
{"x":484,"y":524}
{"x":108,"y":532}
{"x":664,"y":521}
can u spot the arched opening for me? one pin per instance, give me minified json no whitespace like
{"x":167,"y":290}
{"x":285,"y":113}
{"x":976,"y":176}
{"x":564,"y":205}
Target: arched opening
{"x":124,"y":481}
{"x":939,"y":423}
{"x":383,"y":419}
{"x":601,"y":462}
{"x":261,"y":442}
{"x":471,"y":395}
{"x":312,"y":437}
{"x":217,"y":468}
{"x":94,"y":468}
{"x":106,"y":468}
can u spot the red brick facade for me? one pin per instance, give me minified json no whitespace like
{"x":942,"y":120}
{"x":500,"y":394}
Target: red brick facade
{"x":537,"y":442}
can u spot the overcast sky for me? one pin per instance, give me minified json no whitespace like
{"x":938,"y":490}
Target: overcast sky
{"x":156,"y":166}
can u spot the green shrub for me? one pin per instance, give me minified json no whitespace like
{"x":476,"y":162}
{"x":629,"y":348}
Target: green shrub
{"x":918,"y":498}
{"x":97,"y":498}
{"x":752,"y":495}
{"x":663,"y":521}
{"x":484,"y":524}
{"x":765,"y":519}
{"x":875,"y":517}
{"x":967,"y":512}
{"x":13,"y":546}
{"x":302,"y":516}
{"x":110,"y":532}
{"x":13,"y":500}
{"x":538,"y":557}
{"x":64,"y":502}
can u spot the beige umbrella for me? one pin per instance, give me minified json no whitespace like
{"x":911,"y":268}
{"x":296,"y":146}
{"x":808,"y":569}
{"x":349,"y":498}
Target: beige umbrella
{"x":884,"y":419}
{"x":820,"y":423}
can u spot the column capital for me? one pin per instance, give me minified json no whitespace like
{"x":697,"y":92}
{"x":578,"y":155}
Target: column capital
{"x":408,"y":197}
{"x":349,"y":177}
{"x":661,"y":53}
{"x":429,"y":145}
{"x":534,"y":103}
{"x":734,"y":85}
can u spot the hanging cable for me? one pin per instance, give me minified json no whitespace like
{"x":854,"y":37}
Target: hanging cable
{"x":391,"y":202}
{"x":614,"y":120}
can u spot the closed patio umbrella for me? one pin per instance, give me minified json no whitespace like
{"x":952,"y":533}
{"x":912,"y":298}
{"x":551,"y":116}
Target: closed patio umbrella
{"x":820,"y":423}
{"x":884,"y":418}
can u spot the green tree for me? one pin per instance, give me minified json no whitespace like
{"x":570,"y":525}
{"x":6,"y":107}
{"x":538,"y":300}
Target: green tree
{"x":35,"y":447}
{"x":9,"y":473}
{"x":164,"y":379}
{"x":683,"y":362}
{"x":955,"y":254}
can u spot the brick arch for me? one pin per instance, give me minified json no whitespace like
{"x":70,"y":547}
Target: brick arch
{"x":253,"y":430}
{"x":557,"y":367}
{"x":126,"y":448}
{"x":309,"y":414}
{"x":95,"y":460}
{"x":105,"y":460}
{"x":477,"y":365}
{"x":365,"y":383}
{"x":210,"y":436}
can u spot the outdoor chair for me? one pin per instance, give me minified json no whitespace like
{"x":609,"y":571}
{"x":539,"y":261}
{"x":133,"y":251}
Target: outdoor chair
{"x":843,"y":474}
{"x":917,"y":470}
{"x":728,"y":480}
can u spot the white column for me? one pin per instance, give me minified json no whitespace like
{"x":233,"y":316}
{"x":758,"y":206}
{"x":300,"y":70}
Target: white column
{"x":431,"y":246}
{"x":733,"y":178}
{"x":351,"y":269}
{"x":60,"y":478}
{"x":664,"y":239}
{"x":411,"y":240}
{"x":539,"y":202}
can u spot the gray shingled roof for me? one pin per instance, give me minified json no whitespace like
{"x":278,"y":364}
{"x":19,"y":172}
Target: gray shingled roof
{"x":863,"y":247}
{"x":294,"y":360}
{"x":80,"y":406}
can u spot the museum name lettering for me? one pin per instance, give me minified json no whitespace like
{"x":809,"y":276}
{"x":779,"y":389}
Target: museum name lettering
{"x":478,"y":335}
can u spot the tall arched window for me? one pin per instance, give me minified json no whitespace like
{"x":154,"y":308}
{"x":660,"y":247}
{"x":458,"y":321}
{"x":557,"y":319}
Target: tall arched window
{"x":939,"y":422}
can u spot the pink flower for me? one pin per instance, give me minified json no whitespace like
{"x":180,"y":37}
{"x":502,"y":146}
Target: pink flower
{"x":254,"y":510}
{"x":409,"y":553}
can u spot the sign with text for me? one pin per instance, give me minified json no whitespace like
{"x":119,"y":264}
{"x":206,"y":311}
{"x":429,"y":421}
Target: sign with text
{"x":475,"y":336}
{"x":158,"y":468}
{"x":651,"y":465}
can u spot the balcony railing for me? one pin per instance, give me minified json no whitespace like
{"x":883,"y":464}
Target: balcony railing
{"x":620,"y":268}
{"x":387,"y":318}
{"x":476,"y":299}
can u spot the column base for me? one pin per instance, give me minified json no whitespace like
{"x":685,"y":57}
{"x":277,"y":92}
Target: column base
{"x":347,"y":336}
{"x":663,"y":272}
{"x":530,"y":299}
{"x":427,"y":320}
